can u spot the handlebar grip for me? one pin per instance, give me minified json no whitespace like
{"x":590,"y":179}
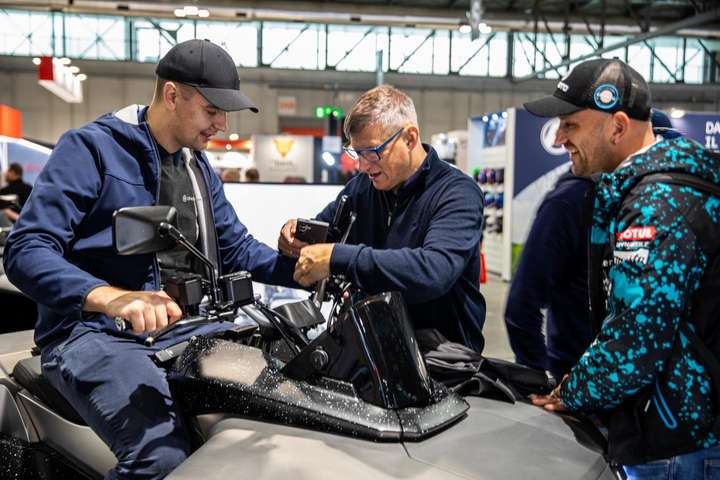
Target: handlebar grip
{"x":154,"y":336}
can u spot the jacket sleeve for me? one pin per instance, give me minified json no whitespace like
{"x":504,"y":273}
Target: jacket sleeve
{"x":239,"y":250}
{"x":652,"y":278}
{"x":542,"y":265}
{"x":34,"y":256}
{"x":429,"y":271}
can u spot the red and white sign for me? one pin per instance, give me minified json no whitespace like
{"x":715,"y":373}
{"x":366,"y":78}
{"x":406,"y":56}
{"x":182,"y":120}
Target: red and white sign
{"x":287,"y":106}
{"x":637,"y":234}
{"x":60,"y":80}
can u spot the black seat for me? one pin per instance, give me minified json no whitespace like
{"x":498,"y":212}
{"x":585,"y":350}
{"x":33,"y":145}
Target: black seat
{"x":28,"y":373}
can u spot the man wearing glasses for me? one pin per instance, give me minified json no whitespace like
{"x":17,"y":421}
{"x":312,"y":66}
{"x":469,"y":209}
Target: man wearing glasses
{"x":418,"y":227}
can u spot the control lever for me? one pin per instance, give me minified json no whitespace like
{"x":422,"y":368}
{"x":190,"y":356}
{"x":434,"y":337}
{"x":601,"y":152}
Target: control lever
{"x":319,"y":294}
{"x":123,"y":325}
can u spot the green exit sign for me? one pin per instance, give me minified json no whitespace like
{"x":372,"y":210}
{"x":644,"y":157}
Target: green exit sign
{"x":324,"y":111}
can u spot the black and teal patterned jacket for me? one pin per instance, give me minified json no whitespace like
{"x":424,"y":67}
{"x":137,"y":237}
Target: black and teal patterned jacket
{"x":652,"y":267}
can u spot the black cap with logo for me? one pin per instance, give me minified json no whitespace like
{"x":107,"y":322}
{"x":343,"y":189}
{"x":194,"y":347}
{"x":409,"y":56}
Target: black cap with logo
{"x":607,"y":85}
{"x":208,"y":68}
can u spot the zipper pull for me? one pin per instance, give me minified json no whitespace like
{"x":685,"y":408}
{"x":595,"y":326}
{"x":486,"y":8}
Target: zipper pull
{"x":389,"y":218}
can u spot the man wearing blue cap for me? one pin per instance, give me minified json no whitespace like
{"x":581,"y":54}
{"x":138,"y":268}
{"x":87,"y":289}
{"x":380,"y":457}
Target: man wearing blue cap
{"x":654,"y":268}
{"x":61,"y":254}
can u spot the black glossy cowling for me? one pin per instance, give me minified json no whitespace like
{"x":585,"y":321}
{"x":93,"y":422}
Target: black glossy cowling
{"x":373,"y":347}
{"x":364,"y":376}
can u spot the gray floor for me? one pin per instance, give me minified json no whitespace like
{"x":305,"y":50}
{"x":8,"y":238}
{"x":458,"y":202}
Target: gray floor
{"x":496,"y":342}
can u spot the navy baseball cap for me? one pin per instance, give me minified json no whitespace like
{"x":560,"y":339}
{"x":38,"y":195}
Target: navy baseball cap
{"x":662,"y":125}
{"x":607,"y":85}
{"x":208,"y":68}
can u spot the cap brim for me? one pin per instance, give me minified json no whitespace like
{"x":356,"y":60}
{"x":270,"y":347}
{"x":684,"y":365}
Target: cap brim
{"x":551,"y":106}
{"x":227,"y":99}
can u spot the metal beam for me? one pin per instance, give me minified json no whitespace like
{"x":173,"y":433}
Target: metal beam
{"x":351,"y":49}
{"x":304,"y":29}
{"x":486,"y":44}
{"x":546,"y":61}
{"x":408,"y":57}
{"x":696,"y":20}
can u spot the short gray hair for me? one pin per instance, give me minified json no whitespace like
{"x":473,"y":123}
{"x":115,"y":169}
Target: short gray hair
{"x":383,"y":106}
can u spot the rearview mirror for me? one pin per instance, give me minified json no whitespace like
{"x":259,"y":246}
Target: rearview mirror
{"x":135,"y":229}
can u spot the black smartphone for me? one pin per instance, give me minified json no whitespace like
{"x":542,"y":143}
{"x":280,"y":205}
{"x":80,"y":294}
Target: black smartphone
{"x":311,"y":231}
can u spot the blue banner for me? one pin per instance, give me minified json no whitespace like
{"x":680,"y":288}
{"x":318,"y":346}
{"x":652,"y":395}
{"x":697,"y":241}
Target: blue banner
{"x":535,"y":154}
{"x":701,"y":127}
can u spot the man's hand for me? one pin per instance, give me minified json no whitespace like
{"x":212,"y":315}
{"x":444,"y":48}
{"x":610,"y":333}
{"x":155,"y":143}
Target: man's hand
{"x":11,"y":214}
{"x":551,"y":402}
{"x":548,"y":402}
{"x":288,"y":245}
{"x":313,"y":264}
{"x":146,"y":311}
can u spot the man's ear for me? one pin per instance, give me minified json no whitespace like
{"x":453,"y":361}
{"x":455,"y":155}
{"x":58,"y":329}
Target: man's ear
{"x":170,"y":95}
{"x":620,"y":126}
{"x":411,"y":136}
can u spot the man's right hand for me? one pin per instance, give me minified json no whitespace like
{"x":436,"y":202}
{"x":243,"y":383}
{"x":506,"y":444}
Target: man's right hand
{"x":287,"y":243}
{"x":146,"y":311}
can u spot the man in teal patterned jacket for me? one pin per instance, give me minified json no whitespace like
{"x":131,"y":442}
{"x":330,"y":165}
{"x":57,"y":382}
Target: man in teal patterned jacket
{"x":654,"y":262}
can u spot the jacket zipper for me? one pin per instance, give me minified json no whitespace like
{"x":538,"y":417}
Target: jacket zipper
{"x":156,"y":266}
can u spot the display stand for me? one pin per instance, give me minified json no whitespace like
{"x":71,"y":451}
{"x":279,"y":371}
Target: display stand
{"x":490,"y":162}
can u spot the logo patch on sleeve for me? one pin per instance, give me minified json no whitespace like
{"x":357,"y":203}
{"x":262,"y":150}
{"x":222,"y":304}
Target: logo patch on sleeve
{"x":637,"y":234}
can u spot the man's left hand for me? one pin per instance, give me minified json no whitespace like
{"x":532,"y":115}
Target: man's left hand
{"x":313,"y":264}
{"x":548,"y":402}
{"x":551,"y":402}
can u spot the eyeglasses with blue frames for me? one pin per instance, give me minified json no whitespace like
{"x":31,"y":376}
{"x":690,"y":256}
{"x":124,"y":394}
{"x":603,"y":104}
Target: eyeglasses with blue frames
{"x":372,"y":154}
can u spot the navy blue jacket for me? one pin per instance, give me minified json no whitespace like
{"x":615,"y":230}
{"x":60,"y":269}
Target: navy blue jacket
{"x":61,"y":247}
{"x":422,"y":242}
{"x":552,"y":275}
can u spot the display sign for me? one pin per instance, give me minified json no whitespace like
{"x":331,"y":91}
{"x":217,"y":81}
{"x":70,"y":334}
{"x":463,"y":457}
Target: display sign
{"x":31,"y":156}
{"x":287,"y":106}
{"x":324,"y":111}
{"x":10,"y":122}
{"x":332,"y":144}
{"x":283,"y":158}
{"x":60,"y":80}
{"x":701,"y":127}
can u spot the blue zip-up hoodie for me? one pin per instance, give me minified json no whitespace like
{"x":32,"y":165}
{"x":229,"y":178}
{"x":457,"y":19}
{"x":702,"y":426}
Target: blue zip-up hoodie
{"x":552,"y":274}
{"x":61,"y":247}
{"x":423,"y":242}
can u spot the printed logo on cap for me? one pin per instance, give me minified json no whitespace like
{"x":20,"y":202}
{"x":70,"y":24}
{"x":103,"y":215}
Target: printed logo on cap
{"x":606,"y":96}
{"x":547,"y":137}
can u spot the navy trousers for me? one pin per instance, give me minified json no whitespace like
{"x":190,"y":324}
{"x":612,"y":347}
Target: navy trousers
{"x":124,"y":397}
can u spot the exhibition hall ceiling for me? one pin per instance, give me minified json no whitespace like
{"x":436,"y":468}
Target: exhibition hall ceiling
{"x":650,"y":12}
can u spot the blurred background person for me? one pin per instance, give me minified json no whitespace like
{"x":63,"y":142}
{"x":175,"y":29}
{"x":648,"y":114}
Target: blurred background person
{"x":252,"y":175}
{"x":14,"y":185}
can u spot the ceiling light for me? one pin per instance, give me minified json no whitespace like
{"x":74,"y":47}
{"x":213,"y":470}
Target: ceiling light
{"x":36,"y":60}
{"x":179,"y":12}
{"x":228,"y":146}
{"x":191,"y":10}
{"x":328,"y":159}
{"x":233,"y":137}
{"x":74,"y":69}
{"x":203,"y":13}
{"x":465,"y":28}
{"x":484,"y":28}
{"x":677,"y":113}
{"x":82,"y":77}
{"x":65,"y":61}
